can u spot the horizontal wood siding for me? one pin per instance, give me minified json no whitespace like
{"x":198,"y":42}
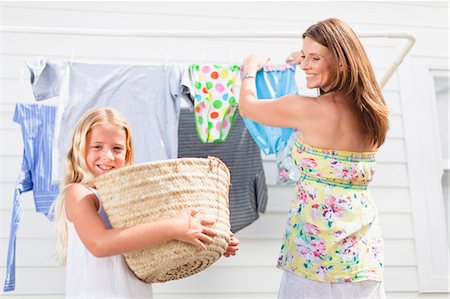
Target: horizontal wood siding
{"x":39,"y":275}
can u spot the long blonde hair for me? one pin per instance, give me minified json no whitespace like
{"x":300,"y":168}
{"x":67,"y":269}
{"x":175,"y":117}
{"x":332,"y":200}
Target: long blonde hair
{"x":76,"y":168}
{"x":355,"y":76}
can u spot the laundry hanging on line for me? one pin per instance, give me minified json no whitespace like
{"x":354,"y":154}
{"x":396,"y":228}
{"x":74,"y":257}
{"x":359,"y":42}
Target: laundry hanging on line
{"x":215,"y":103}
{"x":248,"y":190}
{"x":148,"y":96}
{"x":272,"y":82}
{"x":37,"y":127}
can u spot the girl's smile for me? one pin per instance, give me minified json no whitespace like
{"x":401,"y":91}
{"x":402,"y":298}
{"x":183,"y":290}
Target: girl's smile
{"x":105,"y":149}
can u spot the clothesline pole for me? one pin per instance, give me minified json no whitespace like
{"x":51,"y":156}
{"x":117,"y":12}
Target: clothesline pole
{"x":409,"y":37}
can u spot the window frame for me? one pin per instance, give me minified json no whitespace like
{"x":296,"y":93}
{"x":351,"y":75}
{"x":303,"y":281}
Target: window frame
{"x":425,"y":170}
{"x":442,"y":73}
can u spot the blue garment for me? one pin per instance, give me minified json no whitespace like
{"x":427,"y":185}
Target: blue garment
{"x":44,"y":74}
{"x":37,"y":124}
{"x":271,"y":83}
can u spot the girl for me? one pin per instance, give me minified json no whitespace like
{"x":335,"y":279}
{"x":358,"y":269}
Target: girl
{"x":92,"y":250}
{"x":332,"y":246}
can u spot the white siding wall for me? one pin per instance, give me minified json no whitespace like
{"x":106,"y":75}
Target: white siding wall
{"x":252,"y":273}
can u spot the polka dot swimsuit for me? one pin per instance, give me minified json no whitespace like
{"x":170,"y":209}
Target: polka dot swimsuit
{"x":215,"y":103}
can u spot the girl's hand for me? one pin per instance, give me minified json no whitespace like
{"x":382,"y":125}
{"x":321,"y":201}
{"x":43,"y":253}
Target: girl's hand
{"x":294,"y":58}
{"x":254,"y":63}
{"x":233,"y":246}
{"x":193,"y":230}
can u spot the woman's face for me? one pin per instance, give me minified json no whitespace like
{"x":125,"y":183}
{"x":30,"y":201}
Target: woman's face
{"x":318,"y":64}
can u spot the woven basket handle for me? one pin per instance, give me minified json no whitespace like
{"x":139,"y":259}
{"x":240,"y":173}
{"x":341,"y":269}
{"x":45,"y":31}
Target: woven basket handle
{"x":215,"y":163}
{"x":177,"y":166}
{"x":211,"y":167}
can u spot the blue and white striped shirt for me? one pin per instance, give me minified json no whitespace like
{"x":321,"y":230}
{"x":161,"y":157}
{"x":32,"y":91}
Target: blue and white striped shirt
{"x":37,"y":124}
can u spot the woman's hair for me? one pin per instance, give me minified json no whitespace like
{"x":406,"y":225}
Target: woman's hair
{"x":76,"y":168}
{"x":355,"y":76}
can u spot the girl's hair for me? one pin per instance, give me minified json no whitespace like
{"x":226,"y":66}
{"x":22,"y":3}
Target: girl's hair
{"x":355,"y":76}
{"x":76,"y":168}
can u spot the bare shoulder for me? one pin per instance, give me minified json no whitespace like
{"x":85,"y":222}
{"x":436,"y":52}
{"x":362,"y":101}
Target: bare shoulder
{"x":311,"y":104}
{"x":301,"y":104}
{"x":300,"y":99}
{"x":330,"y":104}
{"x":307,"y":110}
{"x":76,"y":191}
{"x":78,"y":198}
{"x":336,"y":125}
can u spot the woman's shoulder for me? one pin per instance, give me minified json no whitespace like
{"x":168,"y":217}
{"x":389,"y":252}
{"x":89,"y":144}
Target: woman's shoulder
{"x":310,"y":101}
{"x":302,"y":103}
{"x":300,"y":97}
{"x":303,"y":111}
{"x":319,"y":106}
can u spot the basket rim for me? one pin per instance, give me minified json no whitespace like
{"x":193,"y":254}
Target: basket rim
{"x":142,"y":166}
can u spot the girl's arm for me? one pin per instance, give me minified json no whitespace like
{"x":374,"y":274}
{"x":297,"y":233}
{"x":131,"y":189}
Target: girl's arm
{"x":82,"y":207}
{"x":288,"y":111}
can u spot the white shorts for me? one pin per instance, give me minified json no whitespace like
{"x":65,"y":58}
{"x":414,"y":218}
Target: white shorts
{"x":294,"y":286}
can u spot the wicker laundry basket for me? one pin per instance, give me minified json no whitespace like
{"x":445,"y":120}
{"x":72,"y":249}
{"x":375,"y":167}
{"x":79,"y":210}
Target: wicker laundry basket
{"x":159,"y":190}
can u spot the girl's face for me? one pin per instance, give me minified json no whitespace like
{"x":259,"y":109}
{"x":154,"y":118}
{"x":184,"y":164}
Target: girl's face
{"x":318,"y":64}
{"x":105,"y":149}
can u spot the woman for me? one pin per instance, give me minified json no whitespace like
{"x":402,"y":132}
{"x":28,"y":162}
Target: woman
{"x":332,"y":247}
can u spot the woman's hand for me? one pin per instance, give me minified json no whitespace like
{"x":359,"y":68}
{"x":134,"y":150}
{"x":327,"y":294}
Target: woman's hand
{"x":233,"y":246}
{"x":254,"y":63}
{"x":247,"y":94}
{"x":294,"y":58}
{"x":193,"y":230}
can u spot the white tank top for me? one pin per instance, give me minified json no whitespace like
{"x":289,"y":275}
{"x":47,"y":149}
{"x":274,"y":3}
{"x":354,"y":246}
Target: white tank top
{"x":88,"y":276}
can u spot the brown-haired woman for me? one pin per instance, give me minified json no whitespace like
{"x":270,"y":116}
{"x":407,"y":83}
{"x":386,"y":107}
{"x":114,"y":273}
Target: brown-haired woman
{"x":332,"y":247}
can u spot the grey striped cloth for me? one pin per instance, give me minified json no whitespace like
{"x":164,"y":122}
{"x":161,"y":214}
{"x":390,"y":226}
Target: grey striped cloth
{"x":248,"y":191}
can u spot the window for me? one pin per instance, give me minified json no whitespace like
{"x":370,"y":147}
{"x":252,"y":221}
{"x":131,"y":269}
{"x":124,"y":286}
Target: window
{"x":441,"y":89}
{"x":425,"y":104}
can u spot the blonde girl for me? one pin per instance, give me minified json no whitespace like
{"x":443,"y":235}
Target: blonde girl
{"x":91,"y":248}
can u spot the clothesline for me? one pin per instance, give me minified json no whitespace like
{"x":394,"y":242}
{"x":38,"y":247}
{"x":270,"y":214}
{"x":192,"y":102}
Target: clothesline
{"x":165,"y":131}
{"x":409,"y":37}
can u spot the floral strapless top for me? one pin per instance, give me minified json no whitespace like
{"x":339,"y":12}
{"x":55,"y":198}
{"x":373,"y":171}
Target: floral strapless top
{"x":332,"y":232}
